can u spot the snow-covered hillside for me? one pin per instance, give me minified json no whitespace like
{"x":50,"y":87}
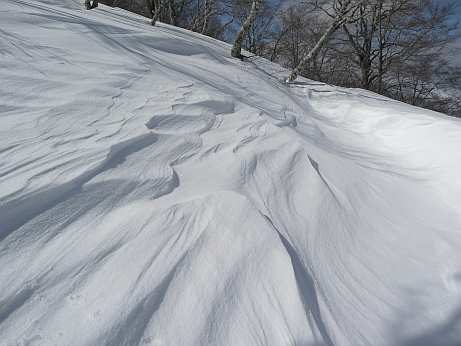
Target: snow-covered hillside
{"x":155,"y":191}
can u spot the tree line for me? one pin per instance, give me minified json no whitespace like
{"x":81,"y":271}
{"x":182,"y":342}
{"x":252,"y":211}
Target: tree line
{"x":397,"y":48}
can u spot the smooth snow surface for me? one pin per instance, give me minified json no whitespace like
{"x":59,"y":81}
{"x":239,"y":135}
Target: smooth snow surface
{"x":155,"y":191}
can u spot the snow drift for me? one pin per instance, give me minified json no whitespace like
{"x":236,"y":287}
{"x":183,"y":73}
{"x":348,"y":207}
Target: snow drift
{"x":155,"y":191}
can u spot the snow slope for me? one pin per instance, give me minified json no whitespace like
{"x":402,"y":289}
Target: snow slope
{"x":155,"y":191}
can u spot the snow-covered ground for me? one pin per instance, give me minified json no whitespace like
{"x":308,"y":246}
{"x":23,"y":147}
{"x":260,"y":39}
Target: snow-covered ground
{"x":155,"y":191}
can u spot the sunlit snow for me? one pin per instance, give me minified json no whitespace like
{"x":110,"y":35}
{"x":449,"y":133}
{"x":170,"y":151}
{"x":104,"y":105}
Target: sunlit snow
{"x":155,"y":191}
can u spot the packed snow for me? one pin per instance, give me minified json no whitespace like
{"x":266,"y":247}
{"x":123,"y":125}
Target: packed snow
{"x":155,"y":191}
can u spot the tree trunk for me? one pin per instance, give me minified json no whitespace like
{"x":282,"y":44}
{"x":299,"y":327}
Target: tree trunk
{"x":171,"y":12}
{"x":381,"y":49}
{"x":365,"y":70}
{"x":343,"y":14}
{"x":149,"y":9}
{"x":313,"y":52}
{"x":90,"y":5}
{"x":236,"y":51}
{"x":208,"y":12}
{"x":158,"y":5}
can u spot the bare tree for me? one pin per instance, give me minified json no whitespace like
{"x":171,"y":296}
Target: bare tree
{"x":341,"y":12}
{"x":201,"y":15}
{"x":209,"y":5}
{"x":300,"y":29}
{"x":393,"y":31}
{"x":158,"y":6}
{"x":236,"y":51}
{"x":393,"y":47}
{"x":91,"y":4}
{"x":149,"y":8}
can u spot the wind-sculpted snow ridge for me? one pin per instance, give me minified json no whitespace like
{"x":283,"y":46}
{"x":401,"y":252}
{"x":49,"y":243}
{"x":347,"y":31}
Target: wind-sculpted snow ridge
{"x":155,"y":191}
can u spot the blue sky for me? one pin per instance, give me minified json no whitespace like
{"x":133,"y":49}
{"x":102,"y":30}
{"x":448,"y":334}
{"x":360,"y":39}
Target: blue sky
{"x":458,"y":12}
{"x":455,"y":54}
{"x":458,"y":8}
